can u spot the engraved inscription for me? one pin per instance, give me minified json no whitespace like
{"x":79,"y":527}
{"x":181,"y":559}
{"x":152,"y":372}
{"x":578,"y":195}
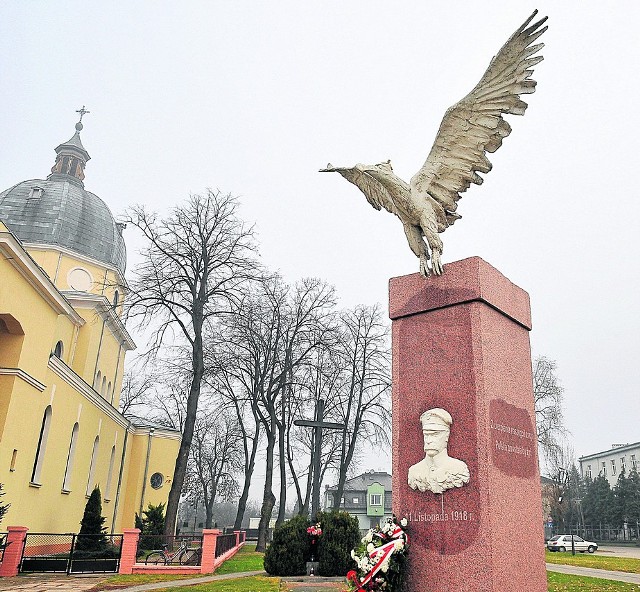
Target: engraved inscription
{"x":513,"y":439}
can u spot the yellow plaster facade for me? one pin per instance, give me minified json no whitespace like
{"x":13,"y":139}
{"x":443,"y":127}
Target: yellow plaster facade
{"x":62,"y":350}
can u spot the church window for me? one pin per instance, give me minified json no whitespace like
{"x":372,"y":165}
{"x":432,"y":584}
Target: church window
{"x":66,"y":482}
{"x":57,"y":351}
{"x":96,"y":382}
{"x":157,"y":479}
{"x":42,"y":446}
{"x":92,"y":466}
{"x":103,"y":388}
{"x":14,"y":456}
{"x":107,"y":489}
{"x":35,"y":193}
{"x":116,"y":296}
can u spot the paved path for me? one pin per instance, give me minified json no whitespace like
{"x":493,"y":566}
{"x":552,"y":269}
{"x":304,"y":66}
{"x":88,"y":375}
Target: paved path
{"x":618,"y":576}
{"x":190,"y":581}
{"x":313,"y":584}
{"x":50,"y":583}
{"x":619,"y":551}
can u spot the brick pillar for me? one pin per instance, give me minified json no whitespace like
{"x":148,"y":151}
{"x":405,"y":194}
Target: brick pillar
{"x":237,"y":533}
{"x":461,"y":343}
{"x":13,"y":551}
{"x":244,"y":536}
{"x":209,"y":540}
{"x":130,"y":538}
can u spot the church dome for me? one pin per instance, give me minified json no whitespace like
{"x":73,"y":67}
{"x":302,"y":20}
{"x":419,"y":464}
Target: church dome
{"x":59,"y":211}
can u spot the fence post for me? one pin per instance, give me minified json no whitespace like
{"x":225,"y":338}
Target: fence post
{"x":209,"y":540}
{"x":237,"y":533}
{"x":128,"y":550}
{"x":14,"y":545}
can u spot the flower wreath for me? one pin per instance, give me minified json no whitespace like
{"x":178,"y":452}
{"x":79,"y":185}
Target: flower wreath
{"x":380,"y":558}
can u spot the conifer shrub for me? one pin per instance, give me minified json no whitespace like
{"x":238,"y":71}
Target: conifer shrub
{"x":290,"y":549}
{"x":4,"y":508}
{"x":151,"y":527}
{"x":92,"y":538}
{"x":340,"y":534}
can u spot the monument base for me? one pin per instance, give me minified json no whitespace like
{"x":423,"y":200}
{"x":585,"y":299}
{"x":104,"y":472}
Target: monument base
{"x":461,"y":343}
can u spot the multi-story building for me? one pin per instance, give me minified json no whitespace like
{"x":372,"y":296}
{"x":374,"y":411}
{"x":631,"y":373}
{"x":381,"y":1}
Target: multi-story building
{"x":367,"y":497}
{"x":610,"y":463}
{"x":62,"y":350}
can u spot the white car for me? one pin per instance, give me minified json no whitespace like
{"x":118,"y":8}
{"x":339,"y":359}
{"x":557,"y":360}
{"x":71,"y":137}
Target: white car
{"x":562,"y":542}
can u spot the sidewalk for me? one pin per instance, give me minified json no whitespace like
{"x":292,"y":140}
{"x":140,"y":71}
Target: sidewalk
{"x":50,"y":583}
{"x":191,"y":581}
{"x":618,"y":576}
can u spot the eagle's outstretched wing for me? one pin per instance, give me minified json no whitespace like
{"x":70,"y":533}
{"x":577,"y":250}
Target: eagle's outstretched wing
{"x":385,"y":190}
{"x":475,"y":125}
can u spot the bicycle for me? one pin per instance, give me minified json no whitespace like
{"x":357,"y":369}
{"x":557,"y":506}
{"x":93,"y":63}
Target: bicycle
{"x":183,"y":555}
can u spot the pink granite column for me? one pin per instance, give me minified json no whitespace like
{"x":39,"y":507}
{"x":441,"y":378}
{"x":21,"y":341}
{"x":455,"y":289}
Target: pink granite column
{"x":13,"y":551}
{"x":461,"y":343}
{"x":130,"y":538}
{"x":209,"y":540}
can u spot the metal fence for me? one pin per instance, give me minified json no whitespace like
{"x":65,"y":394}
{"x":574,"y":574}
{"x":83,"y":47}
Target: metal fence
{"x":71,"y":553}
{"x":599,"y":533}
{"x":224,"y":543}
{"x":3,"y":544}
{"x":169,"y":550}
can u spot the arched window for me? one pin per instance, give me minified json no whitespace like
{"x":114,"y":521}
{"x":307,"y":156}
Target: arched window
{"x":92,"y":466}
{"x":103,"y":389}
{"x":109,"y":391}
{"x":58,"y":350}
{"x":116,"y":297}
{"x":107,"y":489}
{"x":42,"y":446}
{"x":66,"y":483}
{"x":97,"y":381}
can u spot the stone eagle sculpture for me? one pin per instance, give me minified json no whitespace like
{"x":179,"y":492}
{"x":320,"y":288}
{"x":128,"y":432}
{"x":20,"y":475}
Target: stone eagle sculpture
{"x":475,"y":125}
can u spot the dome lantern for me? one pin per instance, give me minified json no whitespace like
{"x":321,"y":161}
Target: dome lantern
{"x":71,"y":156}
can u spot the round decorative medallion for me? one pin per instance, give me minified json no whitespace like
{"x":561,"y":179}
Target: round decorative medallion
{"x":80,"y":279}
{"x":157,"y":479}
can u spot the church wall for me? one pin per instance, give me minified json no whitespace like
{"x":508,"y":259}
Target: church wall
{"x":38,"y":320}
{"x":162,"y":458}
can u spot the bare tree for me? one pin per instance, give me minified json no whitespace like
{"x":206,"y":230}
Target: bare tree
{"x":194,"y":266}
{"x":215,"y":459}
{"x":268,"y":340}
{"x":136,"y":390}
{"x":364,"y":403}
{"x":548,"y":398}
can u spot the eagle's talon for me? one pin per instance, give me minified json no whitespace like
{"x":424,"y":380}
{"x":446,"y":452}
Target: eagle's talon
{"x":424,"y":266}
{"x":436,"y":263}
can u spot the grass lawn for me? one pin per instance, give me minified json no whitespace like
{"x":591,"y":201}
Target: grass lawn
{"x":254,"y":584}
{"x":565,"y":583}
{"x":627,"y":564}
{"x":244,"y":560}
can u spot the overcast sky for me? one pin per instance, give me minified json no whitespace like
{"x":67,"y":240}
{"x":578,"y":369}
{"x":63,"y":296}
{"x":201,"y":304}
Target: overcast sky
{"x":254,"y":98}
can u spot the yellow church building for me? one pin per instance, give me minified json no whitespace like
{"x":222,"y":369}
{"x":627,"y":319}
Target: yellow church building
{"x":62,"y":352}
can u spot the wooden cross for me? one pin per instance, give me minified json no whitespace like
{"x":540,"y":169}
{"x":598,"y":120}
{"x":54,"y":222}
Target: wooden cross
{"x":318,"y":425}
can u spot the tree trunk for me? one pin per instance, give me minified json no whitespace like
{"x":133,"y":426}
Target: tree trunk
{"x":180,"y":471}
{"x":283,"y":470}
{"x":268,"y":499}
{"x":248,"y":473}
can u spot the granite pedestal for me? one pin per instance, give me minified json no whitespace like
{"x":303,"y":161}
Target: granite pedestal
{"x":461,"y":343}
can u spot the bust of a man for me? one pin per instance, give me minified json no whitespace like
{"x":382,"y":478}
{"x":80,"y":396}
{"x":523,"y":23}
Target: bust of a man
{"x":437,"y":472}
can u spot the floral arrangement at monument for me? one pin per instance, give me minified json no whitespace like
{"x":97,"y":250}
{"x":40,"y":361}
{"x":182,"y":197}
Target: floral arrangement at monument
{"x":315,"y":532}
{"x":381,"y":558}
